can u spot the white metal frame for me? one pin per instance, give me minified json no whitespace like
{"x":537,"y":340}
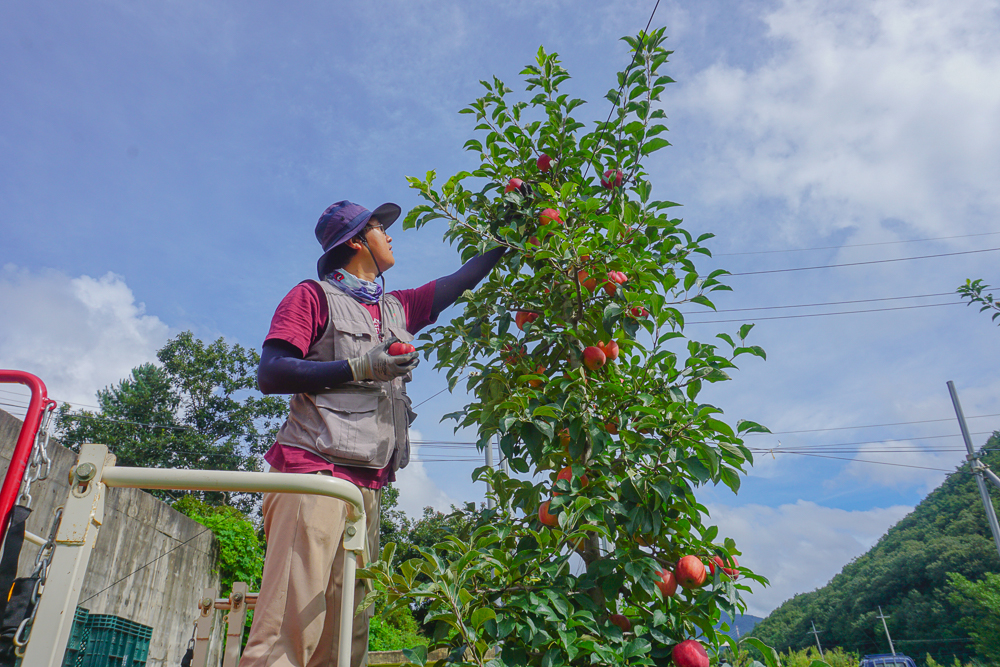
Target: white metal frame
{"x":84,"y":513}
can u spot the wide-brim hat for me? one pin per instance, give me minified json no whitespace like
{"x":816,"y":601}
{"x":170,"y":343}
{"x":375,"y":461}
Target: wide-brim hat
{"x":343,"y":220}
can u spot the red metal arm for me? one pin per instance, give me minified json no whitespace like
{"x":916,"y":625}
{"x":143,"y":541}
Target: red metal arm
{"x":25,"y":440}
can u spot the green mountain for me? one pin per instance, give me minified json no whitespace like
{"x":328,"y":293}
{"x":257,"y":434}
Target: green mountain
{"x":905,"y":573}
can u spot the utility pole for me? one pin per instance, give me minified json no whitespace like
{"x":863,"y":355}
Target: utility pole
{"x":816,"y":634}
{"x":977,"y":468}
{"x":490,"y":502}
{"x":882,"y":616}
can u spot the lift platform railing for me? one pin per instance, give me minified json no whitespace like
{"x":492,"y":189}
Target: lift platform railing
{"x":83,"y":515}
{"x":37,"y":405}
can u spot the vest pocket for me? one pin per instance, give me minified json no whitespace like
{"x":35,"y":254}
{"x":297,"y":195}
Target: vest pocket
{"x":352,"y":424}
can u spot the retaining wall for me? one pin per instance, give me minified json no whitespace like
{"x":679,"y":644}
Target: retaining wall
{"x":150,"y":562}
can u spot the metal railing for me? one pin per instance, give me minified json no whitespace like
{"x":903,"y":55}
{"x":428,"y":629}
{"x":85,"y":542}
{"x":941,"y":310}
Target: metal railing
{"x":84,"y":513}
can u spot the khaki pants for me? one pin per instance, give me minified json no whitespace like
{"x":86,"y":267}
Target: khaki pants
{"x":297,"y":618}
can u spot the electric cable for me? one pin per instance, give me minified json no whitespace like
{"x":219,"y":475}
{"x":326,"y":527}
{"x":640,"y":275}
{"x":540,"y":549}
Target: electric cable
{"x":845,"y":428}
{"x":828,"y":303}
{"x":139,"y":569}
{"x":620,"y":89}
{"x":843,"y":312}
{"x":874,"y":261}
{"x":853,"y":245}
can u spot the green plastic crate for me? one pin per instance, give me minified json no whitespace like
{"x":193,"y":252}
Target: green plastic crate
{"x":77,"y":645}
{"x":115,"y":642}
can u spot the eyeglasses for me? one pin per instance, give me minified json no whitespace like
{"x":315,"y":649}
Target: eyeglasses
{"x":375,"y":225}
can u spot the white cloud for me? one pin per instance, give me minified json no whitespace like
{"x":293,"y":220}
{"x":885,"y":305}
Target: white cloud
{"x":416,"y":489}
{"x":77,"y":334}
{"x":799,"y":547}
{"x":865,"y":111}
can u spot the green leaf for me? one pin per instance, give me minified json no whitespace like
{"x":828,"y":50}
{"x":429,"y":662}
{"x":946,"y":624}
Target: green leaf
{"x":771,"y":658}
{"x":416,"y":655}
{"x":482,"y":615}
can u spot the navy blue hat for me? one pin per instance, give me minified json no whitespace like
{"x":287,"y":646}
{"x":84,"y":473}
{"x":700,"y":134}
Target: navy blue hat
{"x":343,"y":220}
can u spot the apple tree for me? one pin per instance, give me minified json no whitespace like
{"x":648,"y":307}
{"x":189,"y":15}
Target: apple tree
{"x":575,"y":356}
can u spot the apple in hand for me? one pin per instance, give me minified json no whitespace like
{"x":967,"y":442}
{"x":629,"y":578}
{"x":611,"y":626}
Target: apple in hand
{"x":621,"y":621}
{"x":667,"y":583}
{"x":544,"y":162}
{"x":594,"y":357}
{"x":399,"y":348}
{"x":513,"y":184}
{"x":690,"y":572}
{"x":524,"y":317}
{"x":689,"y":653}
{"x":612,"y":178}
{"x":733,"y":571}
{"x":547,"y":519}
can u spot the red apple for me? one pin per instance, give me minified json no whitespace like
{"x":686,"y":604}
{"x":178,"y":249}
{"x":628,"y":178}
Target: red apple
{"x":550,"y":520}
{"x":621,"y":621}
{"x":612,"y":425}
{"x":689,"y":653}
{"x":638,"y":311}
{"x":615,"y":278}
{"x":690,"y":572}
{"x":567,"y":474}
{"x":586,"y":280}
{"x":523,"y":317}
{"x":513,"y":184}
{"x":399,"y":348}
{"x":564,"y":438}
{"x":667,"y":583}
{"x":733,"y":571}
{"x":535,"y":384}
{"x":610,"y":349}
{"x":548,"y":216}
{"x":594,"y":358}
{"x":544,"y":162}
{"x":612,"y":178}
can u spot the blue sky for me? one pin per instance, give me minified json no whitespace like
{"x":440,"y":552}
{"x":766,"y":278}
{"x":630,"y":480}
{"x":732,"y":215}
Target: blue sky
{"x":162,"y":165}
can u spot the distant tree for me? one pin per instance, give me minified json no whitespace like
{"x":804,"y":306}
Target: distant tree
{"x":973,"y":291}
{"x":981,"y":600}
{"x":198,"y":409}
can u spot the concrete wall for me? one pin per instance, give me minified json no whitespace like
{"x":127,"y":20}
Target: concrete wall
{"x":150,"y":562}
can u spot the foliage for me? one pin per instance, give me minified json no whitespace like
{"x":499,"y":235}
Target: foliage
{"x":393,"y":630}
{"x":198,"y":409}
{"x":906,"y":573}
{"x":241,"y":552}
{"x":635,"y":427}
{"x":973,"y":291}
{"x":981,"y":602}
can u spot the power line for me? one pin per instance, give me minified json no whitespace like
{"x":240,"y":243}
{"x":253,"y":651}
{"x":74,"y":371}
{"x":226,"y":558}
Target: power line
{"x":874,"y":261}
{"x":843,"y":312}
{"x":884,"y":463}
{"x":621,"y":87}
{"x":845,"y":428}
{"x":876,"y":442}
{"x":828,"y":303}
{"x":853,"y":245}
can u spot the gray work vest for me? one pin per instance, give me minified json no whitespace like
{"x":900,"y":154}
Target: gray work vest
{"x":360,"y":424}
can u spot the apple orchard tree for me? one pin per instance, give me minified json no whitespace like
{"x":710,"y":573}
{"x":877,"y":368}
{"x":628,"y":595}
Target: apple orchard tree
{"x":575,"y":353}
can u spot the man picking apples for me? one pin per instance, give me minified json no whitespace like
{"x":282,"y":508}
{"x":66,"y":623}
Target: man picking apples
{"x":329,"y":346}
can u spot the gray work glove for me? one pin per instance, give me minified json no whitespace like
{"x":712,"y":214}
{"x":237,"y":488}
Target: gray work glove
{"x":378,"y":364}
